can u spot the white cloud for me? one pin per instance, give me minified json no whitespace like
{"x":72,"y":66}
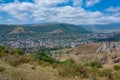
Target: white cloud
{"x":90,"y":3}
{"x":77,"y":3}
{"x":113,"y":9}
{"x":49,"y":3}
{"x":17,"y":10}
{"x":47,"y":11}
{"x":10,"y":21}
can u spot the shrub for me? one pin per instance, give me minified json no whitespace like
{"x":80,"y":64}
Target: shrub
{"x":2,"y":54}
{"x":108,"y":74}
{"x":2,"y":69}
{"x":116,"y":75}
{"x":56,"y":65}
{"x":117,"y":67}
{"x":2,"y":51}
{"x":69,"y":61}
{"x":16,"y":51}
{"x":44,"y":64}
{"x":20,"y":52}
{"x":95,"y":64}
{"x":33,"y":67}
{"x":96,"y":73}
{"x":2,"y":48}
{"x":71,"y":69}
{"x":12,"y":52}
{"x":42,"y":57}
{"x":16,"y":60}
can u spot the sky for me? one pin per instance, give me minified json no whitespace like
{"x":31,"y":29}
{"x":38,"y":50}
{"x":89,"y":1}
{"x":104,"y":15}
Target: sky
{"x":59,"y":11}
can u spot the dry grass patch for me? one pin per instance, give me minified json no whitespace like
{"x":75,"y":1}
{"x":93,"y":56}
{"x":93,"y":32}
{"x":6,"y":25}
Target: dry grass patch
{"x":15,"y":60}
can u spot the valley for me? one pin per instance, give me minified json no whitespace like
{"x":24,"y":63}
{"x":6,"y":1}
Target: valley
{"x":58,"y":36}
{"x":59,"y":39}
{"x":58,"y":52}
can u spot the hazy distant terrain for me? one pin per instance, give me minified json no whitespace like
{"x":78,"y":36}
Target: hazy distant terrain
{"x":106,"y":28}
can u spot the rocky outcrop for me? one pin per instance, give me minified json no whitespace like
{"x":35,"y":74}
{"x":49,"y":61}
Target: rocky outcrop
{"x":116,"y":60}
{"x":109,"y":47}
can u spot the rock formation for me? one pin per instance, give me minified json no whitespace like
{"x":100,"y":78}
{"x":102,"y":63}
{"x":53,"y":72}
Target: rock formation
{"x":109,"y":47}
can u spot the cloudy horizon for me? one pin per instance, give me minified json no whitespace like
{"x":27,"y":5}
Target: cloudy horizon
{"x":59,"y":11}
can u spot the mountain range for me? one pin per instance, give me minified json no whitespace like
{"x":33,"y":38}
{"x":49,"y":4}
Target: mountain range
{"x":45,"y":30}
{"x":59,"y":30}
{"x":69,"y":28}
{"x":105,"y":28}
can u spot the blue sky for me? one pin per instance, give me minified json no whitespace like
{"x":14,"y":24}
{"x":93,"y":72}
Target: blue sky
{"x":59,"y":11}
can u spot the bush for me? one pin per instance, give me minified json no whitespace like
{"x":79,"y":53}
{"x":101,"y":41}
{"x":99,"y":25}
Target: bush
{"x":95,"y":64}
{"x":42,"y":57}
{"x":20,"y":52}
{"x":108,"y":74}
{"x":2,"y":51}
{"x":16,"y":60}
{"x":33,"y":67}
{"x":69,"y":62}
{"x":116,"y":75}
{"x":16,"y":52}
{"x":2,"y":54}
{"x":71,"y":69}
{"x":57,"y":65}
{"x":2,"y":48}
{"x":2,"y":69}
{"x":10,"y":51}
{"x":44,"y":63}
{"x":95,"y":73}
{"x":117,"y":67}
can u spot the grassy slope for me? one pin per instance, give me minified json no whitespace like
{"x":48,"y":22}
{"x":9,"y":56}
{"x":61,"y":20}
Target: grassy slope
{"x":33,"y":71}
{"x":88,"y":52}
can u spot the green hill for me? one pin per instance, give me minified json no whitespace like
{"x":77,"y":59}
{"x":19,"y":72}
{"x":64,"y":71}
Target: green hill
{"x":44,"y":28}
{"x":49,"y":31}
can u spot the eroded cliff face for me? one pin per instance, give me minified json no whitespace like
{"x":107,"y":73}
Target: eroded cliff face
{"x":109,"y":47}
